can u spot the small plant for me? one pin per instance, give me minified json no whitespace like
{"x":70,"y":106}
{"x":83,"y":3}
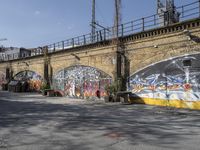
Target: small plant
{"x":112,"y":88}
{"x":45,"y":86}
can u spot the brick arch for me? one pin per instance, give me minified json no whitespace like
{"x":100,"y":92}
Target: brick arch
{"x":72,"y":66}
{"x":26,"y":71}
{"x":100,"y":68}
{"x":33,"y":78}
{"x":39,"y":70}
{"x":160,"y":61}
{"x":81,"y":81}
{"x":177,"y":78}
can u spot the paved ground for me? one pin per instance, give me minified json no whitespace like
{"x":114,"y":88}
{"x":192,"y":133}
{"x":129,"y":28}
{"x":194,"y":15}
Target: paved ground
{"x":33,"y":122}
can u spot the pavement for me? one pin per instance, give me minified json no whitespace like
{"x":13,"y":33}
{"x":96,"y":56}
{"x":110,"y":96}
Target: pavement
{"x":30,"y":121}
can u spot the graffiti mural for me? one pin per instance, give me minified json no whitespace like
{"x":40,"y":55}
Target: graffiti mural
{"x":34,"y":80}
{"x":81,"y":81}
{"x":174,"y":79}
{"x":2,"y":79}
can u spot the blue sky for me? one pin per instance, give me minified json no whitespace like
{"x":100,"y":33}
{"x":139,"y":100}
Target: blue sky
{"x":33,"y":23}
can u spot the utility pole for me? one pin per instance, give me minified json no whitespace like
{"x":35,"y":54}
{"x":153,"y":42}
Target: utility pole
{"x":117,"y":19}
{"x":93,"y":24}
{"x":122,"y":66}
{"x":116,"y":41}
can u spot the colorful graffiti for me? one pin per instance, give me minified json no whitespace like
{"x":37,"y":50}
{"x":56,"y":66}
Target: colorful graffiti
{"x":174,"y":79}
{"x":2,"y":79}
{"x":81,"y":81}
{"x":34,"y":80}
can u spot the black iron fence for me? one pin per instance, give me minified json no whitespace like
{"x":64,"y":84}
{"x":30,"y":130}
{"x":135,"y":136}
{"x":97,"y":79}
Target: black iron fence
{"x":185,"y":12}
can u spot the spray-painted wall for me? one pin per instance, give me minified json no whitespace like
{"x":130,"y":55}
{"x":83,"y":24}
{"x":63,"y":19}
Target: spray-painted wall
{"x":173,"y":79}
{"x":2,"y":79}
{"x":34,"y":80}
{"x":81,"y":81}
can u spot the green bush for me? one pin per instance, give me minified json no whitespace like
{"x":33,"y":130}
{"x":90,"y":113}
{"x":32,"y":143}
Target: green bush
{"x":112,"y":88}
{"x":45,"y":86}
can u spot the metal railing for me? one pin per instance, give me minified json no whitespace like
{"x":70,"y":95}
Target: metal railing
{"x":186,"y":12}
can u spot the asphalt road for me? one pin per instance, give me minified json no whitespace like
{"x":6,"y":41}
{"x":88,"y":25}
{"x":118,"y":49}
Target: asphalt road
{"x":33,"y":122}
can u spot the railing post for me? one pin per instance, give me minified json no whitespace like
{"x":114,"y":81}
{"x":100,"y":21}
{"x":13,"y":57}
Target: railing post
{"x":72,"y":42}
{"x":122,"y":28}
{"x":63,"y":45}
{"x":84,"y":39}
{"x":54,"y":47}
{"x":132,"y":26}
{"x":168,"y":18}
{"x":142,"y":24}
{"x":97,"y":36}
{"x":165,"y":17}
{"x":104,"y":33}
{"x":100,"y":35}
{"x":58,"y":45}
{"x":78,"y":41}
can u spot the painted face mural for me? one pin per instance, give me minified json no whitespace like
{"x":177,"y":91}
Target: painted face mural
{"x":81,"y":81}
{"x":174,"y":79}
{"x":2,"y":79}
{"x":34,"y":80}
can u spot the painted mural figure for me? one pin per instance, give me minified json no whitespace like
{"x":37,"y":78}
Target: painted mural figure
{"x":67,"y":88}
{"x":72,"y":89}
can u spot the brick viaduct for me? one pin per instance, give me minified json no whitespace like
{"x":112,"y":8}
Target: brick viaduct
{"x":142,"y":49}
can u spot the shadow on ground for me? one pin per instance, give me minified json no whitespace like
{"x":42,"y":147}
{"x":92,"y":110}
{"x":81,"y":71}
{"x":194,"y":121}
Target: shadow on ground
{"x":160,"y":126}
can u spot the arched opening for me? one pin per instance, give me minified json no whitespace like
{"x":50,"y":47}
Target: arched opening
{"x":31,"y":79}
{"x":173,"y":79}
{"x":2,"y":79}
{"x":81,"y":81}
